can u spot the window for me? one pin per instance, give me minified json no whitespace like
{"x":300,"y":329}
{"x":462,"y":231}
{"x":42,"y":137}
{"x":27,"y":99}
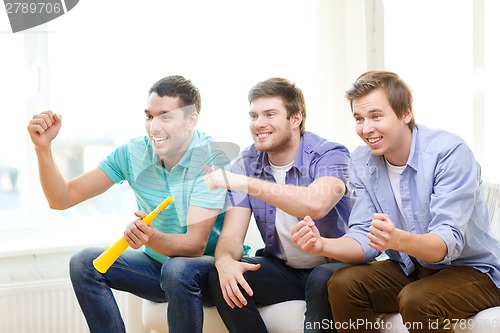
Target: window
{"x":12,"y":106}
{"x":437,"y":47}
{"x":487,"y":83}
{"x":95,"y":63}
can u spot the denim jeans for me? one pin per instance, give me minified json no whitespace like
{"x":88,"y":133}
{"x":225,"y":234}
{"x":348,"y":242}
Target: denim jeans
{"x":185,"y":281}
{"x":276,"y":282}
{"x":137,"y":273}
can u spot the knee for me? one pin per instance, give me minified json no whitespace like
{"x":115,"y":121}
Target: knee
{"x":413,"y":303}
{"x":339,"y":284}
{"x":319,"y":276}
{"x":173,"y":271}
{"x":82,"y":261}
{"x":318,"y":280}
{"x":185,"y":271}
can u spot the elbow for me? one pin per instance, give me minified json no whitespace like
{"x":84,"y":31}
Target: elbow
{"x":59,"y":202}
{"x":440,"y":257}
{"x":316,"y":215}
{"x":320,"y":207}
{"x":440,"y":253}
{"x":57,"y":206}
{"x":198,"y":251}
{"x":318,"y":211}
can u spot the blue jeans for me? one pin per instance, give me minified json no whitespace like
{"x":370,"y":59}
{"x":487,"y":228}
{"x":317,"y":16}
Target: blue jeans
{"x":276,"y":282}
{"x":185,"y":281}
{"x":137,"y":273}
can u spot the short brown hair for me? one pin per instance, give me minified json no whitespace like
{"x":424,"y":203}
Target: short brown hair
{"x":293,"y":98}
{"x":398,"y":92}
{"x":178,"y":86}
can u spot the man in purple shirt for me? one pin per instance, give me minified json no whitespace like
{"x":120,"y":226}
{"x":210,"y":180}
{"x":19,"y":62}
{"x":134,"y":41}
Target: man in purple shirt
{"x":285,"y":175}
{"x":417,"y":196}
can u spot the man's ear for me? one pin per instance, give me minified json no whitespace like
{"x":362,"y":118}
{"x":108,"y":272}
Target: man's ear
{"x":192,"y":120}
{"x":296,"y":119}
{"x":408,"y":116}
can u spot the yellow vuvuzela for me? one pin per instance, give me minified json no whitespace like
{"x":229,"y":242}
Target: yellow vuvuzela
{"x":109,"y":256}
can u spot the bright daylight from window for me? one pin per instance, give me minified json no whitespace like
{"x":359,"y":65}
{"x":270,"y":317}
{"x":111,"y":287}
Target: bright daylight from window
{"x":95,"y":66}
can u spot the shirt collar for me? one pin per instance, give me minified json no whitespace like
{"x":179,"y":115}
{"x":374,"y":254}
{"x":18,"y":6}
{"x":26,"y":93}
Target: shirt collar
{"x":412,"y":158}
{"x":298,"y":161}
{"x":185,"y":159}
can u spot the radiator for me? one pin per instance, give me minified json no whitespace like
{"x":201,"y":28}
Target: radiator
{"x":40,"y":307}
{"x":50,"y":307}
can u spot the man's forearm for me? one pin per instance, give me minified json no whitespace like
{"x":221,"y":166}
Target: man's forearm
{"x":316,"y":200}
{"x":54,"y":185}
{"x":228,"y":249}
{"x":427,"y":247}
{"x":345,"y":249}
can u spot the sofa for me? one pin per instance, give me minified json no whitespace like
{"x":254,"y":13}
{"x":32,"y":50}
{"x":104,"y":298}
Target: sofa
{"x":288,"y":317}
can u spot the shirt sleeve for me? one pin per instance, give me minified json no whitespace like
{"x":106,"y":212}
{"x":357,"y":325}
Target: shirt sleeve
{"x":238,"y":198}
{"x":456,"y":181}
{"x":361,"y":214}
{"x":113,"y":164}
{"x":208,"y":155}
{"x":332,"y":162}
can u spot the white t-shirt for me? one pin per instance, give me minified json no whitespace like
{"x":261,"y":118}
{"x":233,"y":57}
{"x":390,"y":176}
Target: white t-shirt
{"x":394,"y":177}
{"x":291,"y":253}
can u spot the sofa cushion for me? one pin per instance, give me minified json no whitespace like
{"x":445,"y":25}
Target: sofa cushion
{"x":486,"y":321}
{"x":285,"y":317}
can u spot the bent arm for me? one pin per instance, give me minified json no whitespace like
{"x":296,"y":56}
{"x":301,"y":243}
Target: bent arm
{"x":315,"y":200}
{"x":346,"y":249}
{"x":62,"y":193}
{"x":426,"y":247}
{"x":191,"y":244}
{"x":383,"y":235}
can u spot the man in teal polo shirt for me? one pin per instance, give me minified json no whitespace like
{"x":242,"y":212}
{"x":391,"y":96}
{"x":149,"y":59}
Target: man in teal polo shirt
{"x":169,"y":161}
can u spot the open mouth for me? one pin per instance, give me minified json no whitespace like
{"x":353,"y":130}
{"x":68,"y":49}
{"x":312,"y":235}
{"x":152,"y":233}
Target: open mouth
{"x":374,"y":140}
{"x":159,"y":139}
{"x":263,"y":135}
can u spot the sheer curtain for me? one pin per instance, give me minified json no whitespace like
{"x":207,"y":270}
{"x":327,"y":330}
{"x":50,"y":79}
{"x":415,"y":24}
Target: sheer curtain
{"x":95,"y":64}
{"x":447,"y":50}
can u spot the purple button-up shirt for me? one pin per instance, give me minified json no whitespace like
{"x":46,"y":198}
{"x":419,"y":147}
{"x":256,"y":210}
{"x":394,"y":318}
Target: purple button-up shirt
{"x":316,"y":157}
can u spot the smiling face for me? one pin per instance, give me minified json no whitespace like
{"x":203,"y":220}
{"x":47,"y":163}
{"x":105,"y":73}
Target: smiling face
{"x":271,"y":131}
{"x":379,"y":127}
{"x":169,"y":130}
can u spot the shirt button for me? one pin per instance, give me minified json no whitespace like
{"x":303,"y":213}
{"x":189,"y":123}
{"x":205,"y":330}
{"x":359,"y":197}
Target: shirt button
{"x":271,"y":211}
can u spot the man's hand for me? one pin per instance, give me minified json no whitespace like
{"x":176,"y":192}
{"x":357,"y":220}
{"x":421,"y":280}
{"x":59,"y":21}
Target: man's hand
{"x":382,"y":233}
{"x":231,"y":277}
{"x":306,"y":235}
{"x":138,"y":233}
{"x":44,"y":127}
{"x":219,"y":178}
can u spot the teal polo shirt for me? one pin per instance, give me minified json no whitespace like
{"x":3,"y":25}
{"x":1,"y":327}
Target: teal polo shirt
{"x":136,"y":163}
